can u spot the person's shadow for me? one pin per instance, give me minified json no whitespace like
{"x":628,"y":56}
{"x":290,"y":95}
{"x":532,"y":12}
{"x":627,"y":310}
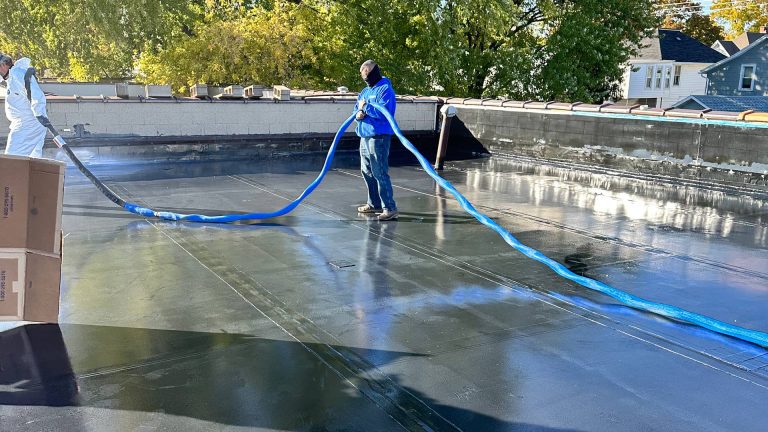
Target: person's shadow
{"x":228,"y":379}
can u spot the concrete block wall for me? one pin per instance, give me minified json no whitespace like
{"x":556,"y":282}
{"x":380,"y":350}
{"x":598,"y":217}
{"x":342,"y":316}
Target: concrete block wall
{"x":184,"y":118}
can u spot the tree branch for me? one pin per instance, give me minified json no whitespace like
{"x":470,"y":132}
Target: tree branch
{"x":529,"y":17}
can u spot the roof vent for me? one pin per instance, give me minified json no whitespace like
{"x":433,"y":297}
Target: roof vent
{"x":254,"y":91}
{"x":199,"y":91}
{"x":282,"y":93}
{"x":157,"y":91}
{"x":234,"y":91}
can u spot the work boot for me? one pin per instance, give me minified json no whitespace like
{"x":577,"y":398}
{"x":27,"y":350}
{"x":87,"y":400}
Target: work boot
{"x":388,"y":215}
{"x":367,"y":208}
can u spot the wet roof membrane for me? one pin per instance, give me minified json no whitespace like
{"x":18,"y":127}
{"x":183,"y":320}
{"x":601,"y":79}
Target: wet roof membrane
{"x":328,"y":320}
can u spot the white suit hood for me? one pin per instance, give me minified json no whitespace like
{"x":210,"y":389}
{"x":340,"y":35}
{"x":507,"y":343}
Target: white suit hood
{"x":22,"y":63}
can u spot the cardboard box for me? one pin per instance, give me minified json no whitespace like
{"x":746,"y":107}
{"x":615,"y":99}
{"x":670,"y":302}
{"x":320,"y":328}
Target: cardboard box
{"x":29,"y":286}
{"x":31,"y":200}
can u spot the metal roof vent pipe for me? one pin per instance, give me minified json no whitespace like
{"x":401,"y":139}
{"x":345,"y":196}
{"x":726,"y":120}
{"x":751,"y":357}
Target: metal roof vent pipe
{"x":448,"y":112}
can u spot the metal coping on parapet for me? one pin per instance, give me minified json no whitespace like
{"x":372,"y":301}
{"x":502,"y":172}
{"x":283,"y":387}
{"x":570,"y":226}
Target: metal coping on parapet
{"x":298,"y":98}
{"x":611,"y":108}
{"x":304,"y":96}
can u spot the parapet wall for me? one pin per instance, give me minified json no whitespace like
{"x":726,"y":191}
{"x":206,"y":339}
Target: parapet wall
{"x":104,"y":129}
{"x":191,"y":117}
{"x":723,"y":150}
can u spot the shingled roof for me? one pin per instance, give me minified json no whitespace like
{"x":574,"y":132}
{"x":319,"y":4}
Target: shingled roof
{"x":729,"y":46}
{"x":746,"y":39}
{"x":674,"y":45}
{"x":727,"y":103}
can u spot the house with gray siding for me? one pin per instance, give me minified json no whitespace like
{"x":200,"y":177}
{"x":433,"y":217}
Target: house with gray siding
{"x":744,"y":73}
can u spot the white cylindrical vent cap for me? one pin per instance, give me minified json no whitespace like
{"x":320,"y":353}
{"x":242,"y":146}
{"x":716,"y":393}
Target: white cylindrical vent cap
{"x":448,"y":110}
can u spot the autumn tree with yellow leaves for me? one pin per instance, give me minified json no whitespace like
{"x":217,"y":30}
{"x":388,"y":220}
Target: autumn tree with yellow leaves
{"x":741,"y":15}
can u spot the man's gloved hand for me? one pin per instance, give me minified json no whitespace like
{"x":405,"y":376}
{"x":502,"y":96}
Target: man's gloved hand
{"x":361,"y":110}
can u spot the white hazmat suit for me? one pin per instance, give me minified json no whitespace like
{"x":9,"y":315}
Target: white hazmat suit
{"x":22,"y":109}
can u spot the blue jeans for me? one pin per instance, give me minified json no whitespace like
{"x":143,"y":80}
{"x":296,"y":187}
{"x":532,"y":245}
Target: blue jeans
{"x":374,"y":164}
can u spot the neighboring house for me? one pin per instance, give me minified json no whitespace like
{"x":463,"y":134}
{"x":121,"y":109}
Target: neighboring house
{"x":724,"y":103}
{"x":744,"y":73}
{"x":667,"y":69}
{"x":725,"y":47}
{"x":729,"y":48}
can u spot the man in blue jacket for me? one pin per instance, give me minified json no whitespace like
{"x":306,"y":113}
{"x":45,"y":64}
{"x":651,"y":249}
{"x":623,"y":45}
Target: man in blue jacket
{"x":375,"y":137}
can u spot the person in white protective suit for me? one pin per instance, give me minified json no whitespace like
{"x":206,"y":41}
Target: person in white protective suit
{"x":24,"y":106}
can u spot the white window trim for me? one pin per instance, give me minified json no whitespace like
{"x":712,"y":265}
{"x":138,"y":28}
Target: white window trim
{"x":754,"y":77}
{"x":658,"y":77}
{"x":649,"y":77}
{"x":676,"y":79}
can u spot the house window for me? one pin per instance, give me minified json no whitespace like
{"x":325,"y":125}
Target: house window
{"x":658,"y":77}
{"x":667,"y":76}
{"x":747,"y":78}
{"x":678,"y":72}
{"x":648,"y":77}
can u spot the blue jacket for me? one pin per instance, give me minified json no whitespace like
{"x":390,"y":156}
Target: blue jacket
{"x":374,"y":122}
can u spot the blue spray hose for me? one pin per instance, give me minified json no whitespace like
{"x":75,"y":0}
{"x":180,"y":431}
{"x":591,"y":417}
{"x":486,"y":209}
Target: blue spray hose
{"x":147,"y":212}
{"x":664,"y":310}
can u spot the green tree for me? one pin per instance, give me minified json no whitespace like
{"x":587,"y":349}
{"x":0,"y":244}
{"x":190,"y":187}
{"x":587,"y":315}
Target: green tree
{"x":590,"y":42}
{"x":524,"y":49}
{"x":402,"y":36}
{"x":91,"y":39}
{"x":266,"y":45}
{"x":703,"y":28}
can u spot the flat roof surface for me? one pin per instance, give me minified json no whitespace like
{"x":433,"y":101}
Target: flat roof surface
{"x":328,"y":320}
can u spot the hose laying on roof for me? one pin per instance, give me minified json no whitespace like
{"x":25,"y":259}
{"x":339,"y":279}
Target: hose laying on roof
{"x":664,"y":310}
{"x":148,"y":212}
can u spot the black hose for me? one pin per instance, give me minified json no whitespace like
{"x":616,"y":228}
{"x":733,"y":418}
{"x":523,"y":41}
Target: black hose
{"x":57,"y":138}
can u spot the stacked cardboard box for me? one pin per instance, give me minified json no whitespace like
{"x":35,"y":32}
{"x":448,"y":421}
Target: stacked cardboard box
{"x":31,"y":198}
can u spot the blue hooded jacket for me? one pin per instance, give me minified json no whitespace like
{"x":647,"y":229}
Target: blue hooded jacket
{"x":374,"y":122}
